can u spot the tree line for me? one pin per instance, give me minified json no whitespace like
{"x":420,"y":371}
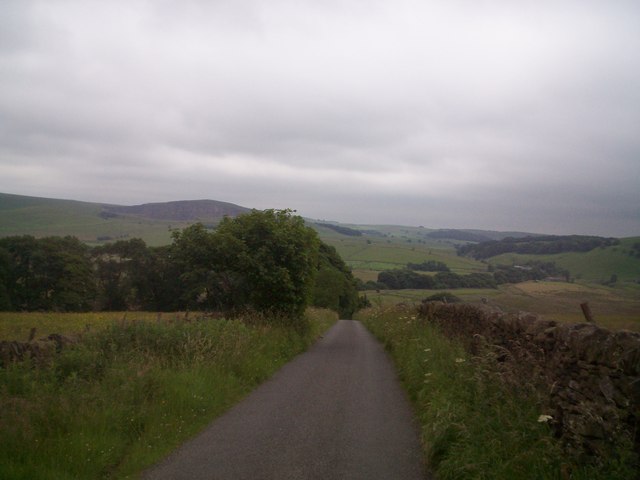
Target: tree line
{"x":539,"y":245}
{"x":341,"y":229}
{"x":429,"y":266}
{"x":398,"y":279}
{"x":264,"y":261}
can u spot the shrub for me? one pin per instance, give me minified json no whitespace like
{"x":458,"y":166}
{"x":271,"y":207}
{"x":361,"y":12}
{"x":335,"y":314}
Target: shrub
{"x":446,"y":297}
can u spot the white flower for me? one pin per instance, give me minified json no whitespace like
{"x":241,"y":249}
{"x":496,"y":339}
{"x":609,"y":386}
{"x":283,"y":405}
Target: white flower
{"x":544,"y":418}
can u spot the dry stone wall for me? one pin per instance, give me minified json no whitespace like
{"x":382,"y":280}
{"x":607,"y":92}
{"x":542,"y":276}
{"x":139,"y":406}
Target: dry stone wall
{"x":588,"y":377}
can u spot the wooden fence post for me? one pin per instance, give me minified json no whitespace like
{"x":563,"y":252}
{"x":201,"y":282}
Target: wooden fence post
{"x":586,"y":311}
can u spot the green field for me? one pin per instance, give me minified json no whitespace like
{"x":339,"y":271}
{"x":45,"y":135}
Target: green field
{"x":595,"y":266}
{"x":374,"y":254}
{"x":42,"y":217}
{"x":380,"y":247}
{"x":614,"y":308}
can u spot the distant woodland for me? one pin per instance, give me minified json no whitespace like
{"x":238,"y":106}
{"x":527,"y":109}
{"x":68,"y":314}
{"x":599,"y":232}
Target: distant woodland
{"x":538,"y":245}
{"x":444,"y":279}
{"x":341,"y":229}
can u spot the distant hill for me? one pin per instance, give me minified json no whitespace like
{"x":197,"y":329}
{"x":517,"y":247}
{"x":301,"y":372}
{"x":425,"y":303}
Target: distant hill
{"x":475,"y":235}
{"x":182,"y":211}
{"x":462,"y":235}
{"x":99,"y":223}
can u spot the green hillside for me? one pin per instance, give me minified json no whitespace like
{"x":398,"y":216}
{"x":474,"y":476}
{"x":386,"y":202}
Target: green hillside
{"x":367,"y":249}
{"x":96,"y":223}
{"x":597,"y":266}
{"x":393,"y":247}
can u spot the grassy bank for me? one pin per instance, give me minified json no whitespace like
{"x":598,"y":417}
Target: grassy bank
{"x":473,"y":427}
{"x":127,"y":395}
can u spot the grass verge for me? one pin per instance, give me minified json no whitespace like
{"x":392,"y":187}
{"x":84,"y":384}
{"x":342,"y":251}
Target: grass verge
{"x":473,"y":426}
{"x":127,"y":395}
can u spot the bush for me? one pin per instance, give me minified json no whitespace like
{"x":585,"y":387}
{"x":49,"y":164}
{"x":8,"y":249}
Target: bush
{"x":445,"y":297}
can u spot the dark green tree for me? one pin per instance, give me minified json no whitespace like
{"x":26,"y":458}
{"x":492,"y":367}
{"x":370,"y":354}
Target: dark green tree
{"x":5,"y":263}
{"x":335,"y":287}
{"x":165,"y":290}
{"x":209,"y":269}
{"x":50,"y":273}
{"x":122,"y":275}
{"x":263,"y":261}
{"x":272,"y":257}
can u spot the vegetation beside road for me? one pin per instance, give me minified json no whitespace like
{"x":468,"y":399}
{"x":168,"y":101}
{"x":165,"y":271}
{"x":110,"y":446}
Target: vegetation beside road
{"x":473,"y":426}
{"x":121,"y":396}
{"x":269,"y":262}
{"x":126,"y":395}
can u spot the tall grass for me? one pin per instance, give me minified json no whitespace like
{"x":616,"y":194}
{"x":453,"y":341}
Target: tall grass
{"x":473,"y":426}
{"x":18,"y":325}
{"x":127,"y":395}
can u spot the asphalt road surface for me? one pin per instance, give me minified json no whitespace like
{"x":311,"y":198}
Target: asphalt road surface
{"x":334,"y":412}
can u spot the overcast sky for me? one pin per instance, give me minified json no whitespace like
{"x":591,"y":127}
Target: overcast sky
{"x":508,"y":115}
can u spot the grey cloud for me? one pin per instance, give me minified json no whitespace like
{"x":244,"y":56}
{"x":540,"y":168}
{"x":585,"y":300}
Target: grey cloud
{"x":478,"y":114}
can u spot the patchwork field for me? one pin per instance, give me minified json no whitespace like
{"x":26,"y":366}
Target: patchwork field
{"x":369,"y":255}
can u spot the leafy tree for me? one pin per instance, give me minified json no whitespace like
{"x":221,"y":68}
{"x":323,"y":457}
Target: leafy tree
{"x":208,"y":264}
{"x":429,"y":266}
{"x":399,"y":279}
{"x":264,"y":261}
{"x":532,"y":270}
{"x":122,"y":274}
{"x":538,"y":245}
{"x":446,"y":297}
{"x":335,"y":288}
{"x":5,"y":262}
{"x":402,"y":278}
{"x":164,"y":286}
{"x":50,"y":273}
{"x":272,"y":256}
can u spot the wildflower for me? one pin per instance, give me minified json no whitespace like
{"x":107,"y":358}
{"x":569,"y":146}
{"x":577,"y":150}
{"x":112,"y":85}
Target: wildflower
{"x":544,"y":418}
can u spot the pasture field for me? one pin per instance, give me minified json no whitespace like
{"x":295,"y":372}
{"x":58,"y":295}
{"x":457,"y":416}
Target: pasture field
{"x":42,"y":217}
{"x":375,"y":254}
{"x":614,"y":308}
{"x":595,"y":266}
{"x":18,"y":325}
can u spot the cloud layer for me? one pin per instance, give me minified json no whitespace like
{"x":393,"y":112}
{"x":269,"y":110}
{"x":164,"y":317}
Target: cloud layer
{"x":493,"y":114}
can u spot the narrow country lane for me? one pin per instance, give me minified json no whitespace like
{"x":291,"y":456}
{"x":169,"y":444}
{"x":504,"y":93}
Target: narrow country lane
{"x":334,"y":412}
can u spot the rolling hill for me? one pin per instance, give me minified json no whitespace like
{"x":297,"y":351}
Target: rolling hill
{"x":368,"y":249}
{"x":98,"y":223}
